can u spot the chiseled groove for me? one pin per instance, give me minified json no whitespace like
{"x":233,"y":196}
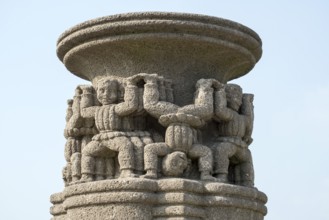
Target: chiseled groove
{"x":176,"y":218}
{"x":57,"y":210}
{"x":211,"y":195}
{"x":169,"y":199}
{"x":249,"y":197}
{"x":237,"y":192}
{"x":110,"y":197}
{"x":229,"y":71}
{"x":180,"y":185}
{"x":174,"y":210}
{"x":154,"y":26}
{"x":179,"y":198}
{"x":235,"y":202}
{"x":210,"y":200}
{"x":111,"y":185}
{"x":120,"y":28}
{"x":160,"y":35}
{"x":223,"y":190}
{"x":75,"y":193}
{"x":184,"y":17}
{"x":57,"y":198}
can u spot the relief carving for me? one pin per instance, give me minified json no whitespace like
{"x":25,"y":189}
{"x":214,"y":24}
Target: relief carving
{"x":181,"y":136}
{"x":169,"y":143}
{"x":108,"y":134}
{"x":78,"y":133}
{"x":234,"y":114}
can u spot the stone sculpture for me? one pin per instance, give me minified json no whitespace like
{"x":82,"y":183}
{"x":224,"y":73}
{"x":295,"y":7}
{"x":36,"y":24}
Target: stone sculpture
{"x":72,"y":145}
{"x":78,"y":132}
{"x":234,"y":114}
{"x":117,"y":124}
{"x":182,"y":123}
{"x":159,"y":133}
{"x":112,"y":135}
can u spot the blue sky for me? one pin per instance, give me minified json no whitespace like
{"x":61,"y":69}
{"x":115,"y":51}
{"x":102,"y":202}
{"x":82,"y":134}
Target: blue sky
{"x":290,"y":83}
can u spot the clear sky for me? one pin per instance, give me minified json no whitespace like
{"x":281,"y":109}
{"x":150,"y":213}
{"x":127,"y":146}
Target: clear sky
{"x":290,"y":83}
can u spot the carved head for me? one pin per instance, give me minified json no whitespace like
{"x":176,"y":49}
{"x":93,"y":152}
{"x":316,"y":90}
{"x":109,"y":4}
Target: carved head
{"x":107,"y":91}
{"x":234,"y":96}
{"x":174,"y":164}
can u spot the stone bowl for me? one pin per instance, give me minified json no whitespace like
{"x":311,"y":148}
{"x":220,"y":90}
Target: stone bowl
{"x":182,"y":47}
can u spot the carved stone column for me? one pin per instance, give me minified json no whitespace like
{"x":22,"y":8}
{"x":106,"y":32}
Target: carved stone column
{"x":159,"y":133}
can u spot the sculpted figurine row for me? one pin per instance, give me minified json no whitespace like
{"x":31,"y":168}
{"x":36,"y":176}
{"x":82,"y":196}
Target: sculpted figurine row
{"x":111,"y":132}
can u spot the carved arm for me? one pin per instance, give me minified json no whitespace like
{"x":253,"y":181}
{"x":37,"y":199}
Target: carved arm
{"x":151,"y":98}
{"x":87,"y":101}
{"x":69,"y":111}
{"x":247,"y":109}
{"x":73,"y":117}
{"x":203,"y":102}
{"x":222,"y":113}
{"x":130,"y":103}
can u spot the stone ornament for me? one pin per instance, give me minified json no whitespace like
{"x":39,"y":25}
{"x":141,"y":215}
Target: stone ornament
{"x":181,"y":136}
{"x":160,"y":133}
{"x":234,"y":113}
{"x":109,"y":132}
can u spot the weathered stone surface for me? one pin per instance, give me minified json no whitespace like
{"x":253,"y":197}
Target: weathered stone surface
{"x":178,"y":46}
{"x":137,"y":198}
{"x":139,"y":144}
{"x":58,"y":210}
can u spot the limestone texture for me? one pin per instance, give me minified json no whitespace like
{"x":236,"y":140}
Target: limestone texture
{"x":159,"y":133}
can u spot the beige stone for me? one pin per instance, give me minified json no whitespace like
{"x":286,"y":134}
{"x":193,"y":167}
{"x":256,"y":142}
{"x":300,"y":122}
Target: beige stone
{"x":158,"y":199}
{"x":159,"y":133}
{"x":182,"y":47}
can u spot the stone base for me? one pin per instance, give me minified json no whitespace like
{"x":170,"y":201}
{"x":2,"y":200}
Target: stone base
{"x":137,"y":198}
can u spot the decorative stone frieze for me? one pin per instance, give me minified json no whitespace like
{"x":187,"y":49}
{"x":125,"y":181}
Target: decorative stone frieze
{"x":159,"y":133}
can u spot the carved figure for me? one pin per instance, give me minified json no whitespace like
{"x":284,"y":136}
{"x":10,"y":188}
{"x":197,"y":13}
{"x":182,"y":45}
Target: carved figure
{"x":115,"y":125}
{"x":234,"y":113}
{"x":78,"y":132}
{"x":181,"y":136}
{"x":174,"y":164}
{"x":69,"y":150}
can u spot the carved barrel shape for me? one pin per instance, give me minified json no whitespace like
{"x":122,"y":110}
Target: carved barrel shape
{"x":180,"y":137}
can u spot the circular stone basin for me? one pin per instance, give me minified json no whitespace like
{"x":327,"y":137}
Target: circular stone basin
{"x":181,"y":47}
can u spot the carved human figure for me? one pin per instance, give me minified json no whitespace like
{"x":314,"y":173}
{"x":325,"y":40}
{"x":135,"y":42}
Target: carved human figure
{"x":114,"y":123}
{"x":234,"y":114}
{"x":181,"y":136}
{"x":78,"y":132}
{"x":69,"y":150}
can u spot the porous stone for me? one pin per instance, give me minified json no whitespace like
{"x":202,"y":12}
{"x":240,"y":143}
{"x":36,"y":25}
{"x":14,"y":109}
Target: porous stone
{"x":160,"y":199}
{"x":159,"y":134}
{"x":178,"y":46}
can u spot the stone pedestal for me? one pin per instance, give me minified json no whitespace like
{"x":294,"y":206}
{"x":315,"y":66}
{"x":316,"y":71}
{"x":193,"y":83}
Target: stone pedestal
{"x":167,"y":66}
{"x":158,"y":199}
